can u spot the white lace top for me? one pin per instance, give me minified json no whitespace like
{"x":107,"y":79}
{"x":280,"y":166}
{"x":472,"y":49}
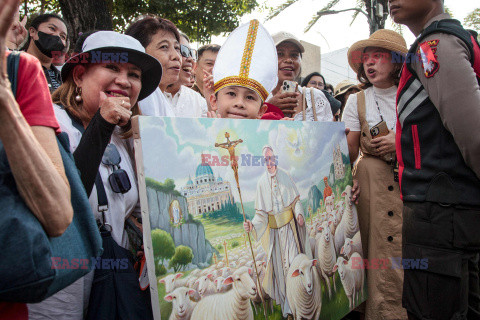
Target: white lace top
{"x":322,"y":106}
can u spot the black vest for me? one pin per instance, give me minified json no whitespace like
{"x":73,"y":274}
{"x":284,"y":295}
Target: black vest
{"x":431,"y":166}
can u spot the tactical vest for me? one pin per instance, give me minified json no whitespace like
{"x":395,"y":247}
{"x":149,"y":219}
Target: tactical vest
{"x":431,"y":166}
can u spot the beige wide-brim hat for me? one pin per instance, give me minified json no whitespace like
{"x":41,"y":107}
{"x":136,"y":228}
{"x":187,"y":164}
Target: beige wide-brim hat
{"x":343,"y":87}
{"x":386,"y":39}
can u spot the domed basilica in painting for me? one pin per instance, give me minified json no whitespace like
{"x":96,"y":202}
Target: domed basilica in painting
{"x":206,"y":193}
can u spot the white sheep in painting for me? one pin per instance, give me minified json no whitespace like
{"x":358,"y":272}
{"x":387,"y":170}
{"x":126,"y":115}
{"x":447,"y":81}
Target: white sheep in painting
{"x":326,"y":256}
{"x":220,"y":286}
{"x":350,"y":214}
{"x":171,"y":282}
{"x":182,"y":305}
{"x":261,"y":268}
{"x":225,"y":272}
{"x":340,"y":208}
{"x":329,"y":204}
{"x":234,"y":304}
{"x":352,"y":245}
{"x":352,"y":278}
{"x":304,"y":293}
{"x":205,"y":285}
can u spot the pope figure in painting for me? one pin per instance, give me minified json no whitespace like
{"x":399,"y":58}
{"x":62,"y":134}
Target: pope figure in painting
{"x":280,"y":226}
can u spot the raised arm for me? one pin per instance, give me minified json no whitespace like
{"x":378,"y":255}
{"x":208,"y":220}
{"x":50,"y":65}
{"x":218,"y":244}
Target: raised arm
{"x":39,"y":175}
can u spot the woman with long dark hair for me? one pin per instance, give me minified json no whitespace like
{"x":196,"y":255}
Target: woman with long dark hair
{"x":47,"y":38}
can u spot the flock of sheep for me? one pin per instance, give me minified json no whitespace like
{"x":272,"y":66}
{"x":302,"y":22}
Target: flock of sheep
{"x":230,"y":292}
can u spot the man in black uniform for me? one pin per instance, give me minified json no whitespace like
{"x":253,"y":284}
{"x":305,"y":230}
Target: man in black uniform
{"x":438,"y":150}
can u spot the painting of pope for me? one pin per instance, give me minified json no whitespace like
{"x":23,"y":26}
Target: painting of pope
{"x":279,"y":224}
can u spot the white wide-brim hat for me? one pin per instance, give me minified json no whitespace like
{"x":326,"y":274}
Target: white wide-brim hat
{"x":248,"y":58}
{"x":110,"y":46}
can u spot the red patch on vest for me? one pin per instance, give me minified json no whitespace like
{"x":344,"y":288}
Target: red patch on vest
{"x":427,"y":51}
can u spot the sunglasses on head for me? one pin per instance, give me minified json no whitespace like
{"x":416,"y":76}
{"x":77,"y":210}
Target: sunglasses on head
{"x":119,"y":181}
{"x":187,"y":52}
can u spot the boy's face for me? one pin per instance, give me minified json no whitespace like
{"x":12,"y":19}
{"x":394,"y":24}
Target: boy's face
{"x":238,"y":103}
{"x":407,"y":11}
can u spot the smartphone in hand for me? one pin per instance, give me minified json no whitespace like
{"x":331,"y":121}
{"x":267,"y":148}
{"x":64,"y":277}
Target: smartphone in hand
{"x":289,"y":86}
{"x":379,"y":130}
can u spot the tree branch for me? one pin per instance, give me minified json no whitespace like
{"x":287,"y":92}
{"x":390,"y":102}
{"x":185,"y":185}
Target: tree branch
{"x":327,"y":12}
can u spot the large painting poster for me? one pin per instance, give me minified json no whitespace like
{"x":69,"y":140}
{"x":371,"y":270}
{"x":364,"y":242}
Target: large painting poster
{"x":201,"y":179}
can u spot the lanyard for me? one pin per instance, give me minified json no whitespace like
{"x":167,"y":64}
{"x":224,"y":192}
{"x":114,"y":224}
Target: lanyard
{"x":378,"y":107}
{"x":376,"y":102}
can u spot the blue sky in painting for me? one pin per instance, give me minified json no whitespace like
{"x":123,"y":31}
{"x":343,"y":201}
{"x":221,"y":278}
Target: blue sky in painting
{"x":172,"y":148}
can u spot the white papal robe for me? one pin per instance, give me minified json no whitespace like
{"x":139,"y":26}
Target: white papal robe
{"x":275,"y":194}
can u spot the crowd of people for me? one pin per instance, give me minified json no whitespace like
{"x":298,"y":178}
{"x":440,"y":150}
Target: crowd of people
{"x":410,"y":134}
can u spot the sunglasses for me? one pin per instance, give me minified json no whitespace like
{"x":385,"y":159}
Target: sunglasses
{"x":187,"y":52}
{"x":119,"y":181}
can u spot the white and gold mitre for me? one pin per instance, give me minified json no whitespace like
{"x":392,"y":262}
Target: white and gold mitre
{"x":247,"y":59}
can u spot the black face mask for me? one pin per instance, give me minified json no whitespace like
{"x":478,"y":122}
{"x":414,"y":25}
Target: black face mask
{"x":48,"y":43}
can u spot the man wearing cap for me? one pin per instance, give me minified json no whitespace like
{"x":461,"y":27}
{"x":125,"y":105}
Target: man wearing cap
{"x":289,"y":51}
{"x":438,"y":107}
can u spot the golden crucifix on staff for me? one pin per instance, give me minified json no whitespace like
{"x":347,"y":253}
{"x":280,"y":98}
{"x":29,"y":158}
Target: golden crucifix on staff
{"x":230,"y":147}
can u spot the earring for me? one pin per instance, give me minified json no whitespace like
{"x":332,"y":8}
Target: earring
{"x":78,"y":97}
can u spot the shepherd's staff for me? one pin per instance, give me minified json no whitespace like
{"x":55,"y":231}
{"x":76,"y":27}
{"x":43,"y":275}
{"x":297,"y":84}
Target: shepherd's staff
{"x":230,"y":146}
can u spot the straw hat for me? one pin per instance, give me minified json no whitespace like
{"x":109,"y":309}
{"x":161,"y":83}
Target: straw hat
{"x":386,"y":39}
{"x":342,"y":87}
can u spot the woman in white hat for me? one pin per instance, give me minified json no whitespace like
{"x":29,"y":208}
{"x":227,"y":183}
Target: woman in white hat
{"x":371,"y":117}
{"x":101,"y":88}
{"x":289,"y":52}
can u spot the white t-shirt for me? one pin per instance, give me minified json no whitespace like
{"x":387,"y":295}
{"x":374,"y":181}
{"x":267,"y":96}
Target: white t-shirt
{"x":386,"y":99}
{"x":72,"y":301}
{"x":120,"y":206}
{"x":187,"y":103}
{"x":156,"y":105}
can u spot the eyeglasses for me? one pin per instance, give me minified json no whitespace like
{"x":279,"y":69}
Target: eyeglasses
{"x":318,"y":84}
{"x":119,"y":181}
{"x":187,"y":52}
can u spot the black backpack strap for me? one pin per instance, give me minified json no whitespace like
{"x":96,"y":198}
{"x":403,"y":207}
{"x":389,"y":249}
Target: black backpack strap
{"x":13,"y":61}
{"x":101,"y":194}
{"x":101,"y":197}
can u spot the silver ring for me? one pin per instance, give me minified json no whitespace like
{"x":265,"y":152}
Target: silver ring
{"x":123,"y":101}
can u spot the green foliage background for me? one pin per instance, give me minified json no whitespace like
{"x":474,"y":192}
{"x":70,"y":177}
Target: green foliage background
{"x":183,"y":256}
{"x":198,"y":19}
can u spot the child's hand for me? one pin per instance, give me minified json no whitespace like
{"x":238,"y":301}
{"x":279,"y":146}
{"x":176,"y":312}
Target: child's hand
{"x":208,"y":84}
{"x":213,"y":114}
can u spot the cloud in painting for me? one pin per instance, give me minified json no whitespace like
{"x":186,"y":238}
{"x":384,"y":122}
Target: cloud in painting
{"x":304,"y":150}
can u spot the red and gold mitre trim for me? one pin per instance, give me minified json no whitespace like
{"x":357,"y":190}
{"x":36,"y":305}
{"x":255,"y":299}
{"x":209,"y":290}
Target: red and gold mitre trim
{"x":248,"y":48}
{"x":242,"y":82}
